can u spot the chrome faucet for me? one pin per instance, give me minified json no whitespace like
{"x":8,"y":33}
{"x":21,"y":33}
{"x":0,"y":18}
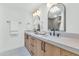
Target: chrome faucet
{"x":58,"y":35}
{"x":54,"y":32}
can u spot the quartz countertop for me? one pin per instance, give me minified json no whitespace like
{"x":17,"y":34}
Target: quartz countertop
{"x":66,"y":43}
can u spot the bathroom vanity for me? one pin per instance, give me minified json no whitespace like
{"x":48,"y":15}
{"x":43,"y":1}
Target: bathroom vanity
{"x":56,"y":44}
{"x":44,"y":45}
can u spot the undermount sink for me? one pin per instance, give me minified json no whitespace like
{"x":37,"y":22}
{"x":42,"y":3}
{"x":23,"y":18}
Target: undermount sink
{"x":40,"y":33}
{"x":47,"y":36}
{"x":50,"y":37}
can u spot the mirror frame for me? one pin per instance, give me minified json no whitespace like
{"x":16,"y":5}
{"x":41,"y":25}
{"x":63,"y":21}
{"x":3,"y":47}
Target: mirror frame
{"x":64,"y":13}
{"x":34,"y":21}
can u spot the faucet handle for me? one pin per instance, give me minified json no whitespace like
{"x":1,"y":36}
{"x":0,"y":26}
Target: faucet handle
{"x":58,"y":34}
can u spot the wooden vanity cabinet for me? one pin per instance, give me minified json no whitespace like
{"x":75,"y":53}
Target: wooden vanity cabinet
{"x":45,"y":49}
{"x":26,"y":41}
{"x":51,"y":50}
{"x":34,"y":46}
{"x":37,"y":47}
{"x":29,"y":46}
{"x":29,"y":43}
{"x":67,"y":53}
{"x":40,"y":50}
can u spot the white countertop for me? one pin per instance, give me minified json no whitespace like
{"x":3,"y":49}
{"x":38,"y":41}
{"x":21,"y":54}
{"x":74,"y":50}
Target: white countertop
{"x":69,"y":44}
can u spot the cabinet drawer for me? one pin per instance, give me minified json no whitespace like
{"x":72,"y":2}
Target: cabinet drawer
{"x":67,"y":53}
{"x":51,"y":50}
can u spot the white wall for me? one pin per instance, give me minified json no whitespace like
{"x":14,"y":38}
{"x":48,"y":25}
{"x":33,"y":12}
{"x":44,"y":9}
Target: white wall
{"x":72,"y":17}
{"x":28,"y":22}
{"x":8,"y":42}
{"x":43,"y":17}
{"x":15,"y":12}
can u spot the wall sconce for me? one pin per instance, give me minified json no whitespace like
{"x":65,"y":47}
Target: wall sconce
{"x":36,"y":13}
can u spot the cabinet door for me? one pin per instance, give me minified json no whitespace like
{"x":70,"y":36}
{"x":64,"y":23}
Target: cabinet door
{"x":67,"y":53}
{"x":51,"y":50}
{"x":34,"y":46}
{"x":40,"y":51}
{"x":29,"y":44}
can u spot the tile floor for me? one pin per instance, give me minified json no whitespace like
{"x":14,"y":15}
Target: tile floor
{"x":22,"y":51}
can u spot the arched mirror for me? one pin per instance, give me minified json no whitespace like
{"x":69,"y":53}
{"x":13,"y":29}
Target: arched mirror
{"x":36,"y":23}
{"x":57,"y":17}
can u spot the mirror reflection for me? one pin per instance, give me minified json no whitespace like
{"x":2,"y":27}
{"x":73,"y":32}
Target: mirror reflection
{"x":57,"y":17}
{"x":36,"y":22}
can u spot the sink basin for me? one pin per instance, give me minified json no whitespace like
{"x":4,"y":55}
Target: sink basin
{"x":50,"y":37}
{"x":40,"y":33}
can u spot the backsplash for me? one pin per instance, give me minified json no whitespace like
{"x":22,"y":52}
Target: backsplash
{"x":70,"y":35}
